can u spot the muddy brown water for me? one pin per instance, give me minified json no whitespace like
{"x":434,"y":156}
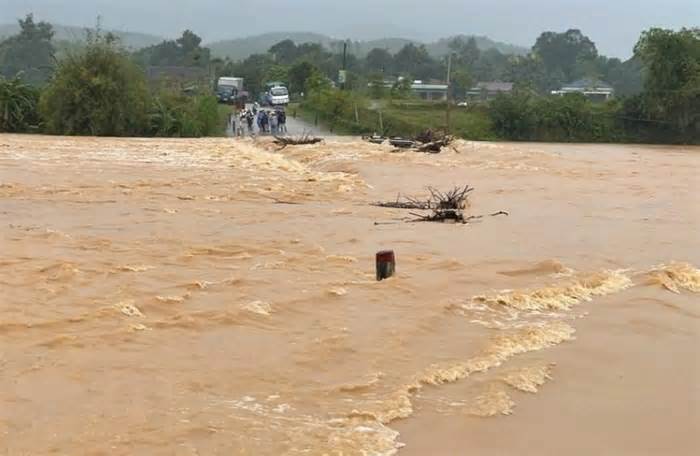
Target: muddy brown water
{"x":164,"y":297}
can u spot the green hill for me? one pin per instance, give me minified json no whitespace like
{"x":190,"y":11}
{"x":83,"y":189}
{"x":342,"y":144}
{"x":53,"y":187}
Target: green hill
{"x":67,"y":34}
{"x":239,"y":49}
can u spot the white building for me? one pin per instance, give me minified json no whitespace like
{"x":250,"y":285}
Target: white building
{"x":591,"y":88}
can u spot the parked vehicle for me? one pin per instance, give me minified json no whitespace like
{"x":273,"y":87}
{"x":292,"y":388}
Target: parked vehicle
{"x":230,"y":90}
{"x":236,"y":83}
{"x":278,"y":96}
{"x":226,"y":95}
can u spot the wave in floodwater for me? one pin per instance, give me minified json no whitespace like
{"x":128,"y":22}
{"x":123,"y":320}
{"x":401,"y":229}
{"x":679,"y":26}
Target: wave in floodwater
{"x":675,"y":277}
{"x":226,"y":290}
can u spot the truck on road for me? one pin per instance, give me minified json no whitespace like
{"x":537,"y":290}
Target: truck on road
{"x":229,"y":90}
{"x":276,"y":95}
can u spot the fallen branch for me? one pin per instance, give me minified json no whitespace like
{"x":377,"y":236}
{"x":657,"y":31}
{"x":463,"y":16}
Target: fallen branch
{"x":305,"y":138}
{"x":435,"y":146}
{"x":446,"y":206}
{"x":408,"y":203}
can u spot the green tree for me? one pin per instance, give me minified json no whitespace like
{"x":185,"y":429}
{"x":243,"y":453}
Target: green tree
{"x":566,"y":52}
{"x":18,"y":105}
{"x":461,"y":82}
{"x":30,"y":53}
{"x":98,"y":91}
{"x":672,"y":84}
{"x":376,"y":86}
{"x":415,"y":61}
{"x":402,"y":88}
{"x":285,"y":52}
{"x":379,"y":60}
{"x":299,"y":74}
{"x":513,"y":116}
{"x":185,"y":51}
{"x":175,"y":115}
{"x":278,"y":73}
{"x":466,"y":52}
{"x":254,"y":70}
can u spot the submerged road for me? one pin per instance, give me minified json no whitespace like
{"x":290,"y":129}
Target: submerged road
{"x":295,"y":126}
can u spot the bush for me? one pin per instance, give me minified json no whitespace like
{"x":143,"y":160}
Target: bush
{"x":175,"y":115}
{"x":573,"y":117}
{"x":18,"y":106}
{"x":97,"y":91}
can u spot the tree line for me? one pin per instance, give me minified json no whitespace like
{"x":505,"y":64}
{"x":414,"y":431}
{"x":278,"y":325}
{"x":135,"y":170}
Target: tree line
{"x":100,"y":88}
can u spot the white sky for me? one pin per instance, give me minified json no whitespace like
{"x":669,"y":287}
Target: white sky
{"x":614,"y":25}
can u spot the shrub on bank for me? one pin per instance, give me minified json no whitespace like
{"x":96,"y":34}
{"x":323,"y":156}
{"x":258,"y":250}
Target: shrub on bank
{"x":176,"y":115}
{"x":97,"y":91}
{"x":18,"y":106}
{"x":571,"y":118}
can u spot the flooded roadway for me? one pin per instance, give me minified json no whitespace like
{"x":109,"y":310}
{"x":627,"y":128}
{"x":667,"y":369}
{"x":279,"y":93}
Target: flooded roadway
{"x":218,"y":297}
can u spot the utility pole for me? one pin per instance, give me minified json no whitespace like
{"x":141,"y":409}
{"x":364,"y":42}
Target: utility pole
{"x":342,"y":77}
{"x":449,"y":75}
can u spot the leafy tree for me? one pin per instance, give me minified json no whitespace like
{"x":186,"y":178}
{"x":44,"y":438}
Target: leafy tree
{"x":185,"y":51}
{"x":29,"y":54}
{"x":379,"y":60}
{"x":98,"y":91}
{"x":299,"y":74}
{"x":415,"y":61}
{"x":277,"y":73}
{"x":565,"y":52}
{"x":18,"y":105}
{"x":461,"y":82}
{"x":254,"y":70}
{"x":513,"y":116}
{"x":528,"y":72}
{"x":466,"y":52}
{"x":402,"y":88}
{"x":175,"y":115}
{"x":376,"y":86}
{"x":285,"y":52}
{"x":491,"y":66}
{"x":672,"y":84}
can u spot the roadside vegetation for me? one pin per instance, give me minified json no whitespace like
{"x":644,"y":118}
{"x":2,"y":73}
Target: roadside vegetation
{"x":100,"y":88}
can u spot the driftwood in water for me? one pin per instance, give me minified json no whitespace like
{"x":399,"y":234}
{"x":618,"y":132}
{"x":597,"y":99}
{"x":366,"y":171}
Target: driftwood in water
{"x":305,"y":138}
{"x":435,"y":147}
{"x":375,"y":139}
{"x":445,"y":207}
{"x":452,"y":215}
{"x":456,"y":198}
{"x":402,"y":143}
{"x":427,"y":141}
{"x":407,"y":203}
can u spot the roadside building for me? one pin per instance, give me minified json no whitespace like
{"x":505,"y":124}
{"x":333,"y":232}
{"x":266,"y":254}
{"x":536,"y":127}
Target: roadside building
{"x":429,"y":91}
{"x":488,"y":90}
{"x":593,"y":89}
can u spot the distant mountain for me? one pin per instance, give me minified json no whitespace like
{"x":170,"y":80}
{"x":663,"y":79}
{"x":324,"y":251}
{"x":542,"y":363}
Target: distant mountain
{"x":131,"y":40}
{"x":239,"y":49}
{"x":441,"y":47}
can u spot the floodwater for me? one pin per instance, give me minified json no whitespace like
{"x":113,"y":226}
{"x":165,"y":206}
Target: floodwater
{"x":217,"y":297}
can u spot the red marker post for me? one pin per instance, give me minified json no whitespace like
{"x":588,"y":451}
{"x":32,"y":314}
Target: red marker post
{"x":386,"y":264}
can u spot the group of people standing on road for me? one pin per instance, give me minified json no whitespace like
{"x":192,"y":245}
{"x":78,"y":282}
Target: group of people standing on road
{"x":272,"y":122}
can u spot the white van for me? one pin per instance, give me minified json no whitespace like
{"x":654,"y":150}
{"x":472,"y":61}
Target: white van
{"x":278,"y":96}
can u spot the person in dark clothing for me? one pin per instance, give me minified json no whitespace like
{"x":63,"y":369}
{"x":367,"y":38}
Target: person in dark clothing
{"x":282,"y":120}
{"x":264,"y":122}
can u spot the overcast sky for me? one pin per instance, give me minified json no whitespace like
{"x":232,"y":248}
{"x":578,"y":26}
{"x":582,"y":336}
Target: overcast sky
{"x":613,"y":24}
